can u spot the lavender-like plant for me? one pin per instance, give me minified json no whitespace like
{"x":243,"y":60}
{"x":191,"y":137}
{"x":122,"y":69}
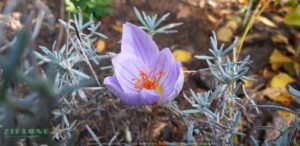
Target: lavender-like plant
{"x":70,"y":61}
{"x":220,"y":107}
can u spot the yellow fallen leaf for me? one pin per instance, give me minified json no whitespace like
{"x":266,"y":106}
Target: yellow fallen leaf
{"x":248,"y":83}
{"x":283,"y":100}
{"x":277,"y":59}
{"x":266,"y":21}
{"x":233,"y":22}
{"x":182,"y":55}
{"x":287,"y":116}
{"x":233,"y":25}
{"x":280,"y":38}
{"x":277,"y":90}
{"x":100,"y":45}
{"x":272,"y":92}
{"x":281,"y":80}
{"x":225,"y":34}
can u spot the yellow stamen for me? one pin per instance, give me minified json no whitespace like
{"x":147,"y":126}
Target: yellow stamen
{"x":159,"y":91}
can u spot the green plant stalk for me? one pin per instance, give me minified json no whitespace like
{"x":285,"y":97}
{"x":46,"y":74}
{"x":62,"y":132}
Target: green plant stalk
{"x":258,"y":11}
{"x":14,"y":58}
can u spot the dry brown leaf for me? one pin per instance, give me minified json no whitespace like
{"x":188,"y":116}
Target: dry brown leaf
{"x":266,"y":21}
{"x":280,"y":38}
{"x":297,"y":67}
{"x":157,"y":129}
{"x":267,"y":73}
{"x":183,"y":11}
{"x":252,"y":36}
{"x":245,"y":2}
{"x":291,"y":49}
{"x":212,"y":18}
{"x":277,"y":19}
{"x":117,"y":28}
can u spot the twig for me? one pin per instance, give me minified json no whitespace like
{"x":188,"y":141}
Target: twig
{"x":61,"y":28}
{"x":93,"y":134}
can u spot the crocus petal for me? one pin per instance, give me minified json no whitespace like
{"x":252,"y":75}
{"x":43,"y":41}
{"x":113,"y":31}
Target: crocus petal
{"x":166,"y":63}
{"x":177,"y":87}
{"x":114,"y":87}
{"x":137,"y":42}
{"x":148,"y":96}
{"x":127,"y":68}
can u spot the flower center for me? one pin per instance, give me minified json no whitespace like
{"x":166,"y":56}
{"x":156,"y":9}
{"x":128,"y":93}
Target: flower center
{"x":146,"y":81}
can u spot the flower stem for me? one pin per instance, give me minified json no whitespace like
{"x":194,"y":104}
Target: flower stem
{"x":151,"y":122}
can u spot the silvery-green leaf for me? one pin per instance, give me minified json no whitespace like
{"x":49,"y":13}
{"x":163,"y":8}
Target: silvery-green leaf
{"x":81,"y":74}
{"x":253,"y":140}
{"x":190,"y":137}
{"x":190,"y":111}
{"x":294,"y":92}
{"x":139,"y":16}
{"x":204,"y":57}
{"x":163,"y":18}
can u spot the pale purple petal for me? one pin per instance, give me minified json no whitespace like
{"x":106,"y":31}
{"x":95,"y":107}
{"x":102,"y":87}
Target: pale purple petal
{"x":137,"y":42}
{"x":166,"y":63}
{"x":148,"y":96}
{"x":177,"y":87}
{"x":127,"y":68}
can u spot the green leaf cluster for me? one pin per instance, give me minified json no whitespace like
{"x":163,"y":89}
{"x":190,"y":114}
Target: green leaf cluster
{"x":98,"y":8}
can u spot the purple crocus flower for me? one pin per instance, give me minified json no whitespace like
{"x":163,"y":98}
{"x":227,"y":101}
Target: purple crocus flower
{"x":143,"y":74}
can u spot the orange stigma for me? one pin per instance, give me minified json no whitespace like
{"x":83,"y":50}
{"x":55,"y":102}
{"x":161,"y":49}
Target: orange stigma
{"x":146,"y":81}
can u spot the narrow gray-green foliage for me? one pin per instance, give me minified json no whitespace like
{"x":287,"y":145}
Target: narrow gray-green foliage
{"x":150,"y":24}
{"x":70,"y":74}
{"x":221,"y":118}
